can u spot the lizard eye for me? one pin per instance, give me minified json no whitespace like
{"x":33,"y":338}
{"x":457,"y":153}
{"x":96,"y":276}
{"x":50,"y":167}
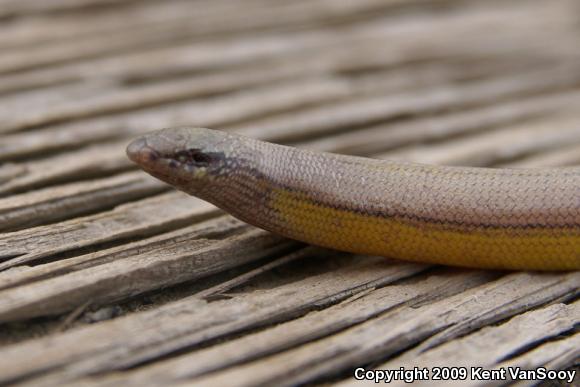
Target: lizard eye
{"x":201,"y":158}
{"x":193,"y":157}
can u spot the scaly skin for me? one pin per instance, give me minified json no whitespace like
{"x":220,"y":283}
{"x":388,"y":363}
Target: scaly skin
{"x":471,"y":217}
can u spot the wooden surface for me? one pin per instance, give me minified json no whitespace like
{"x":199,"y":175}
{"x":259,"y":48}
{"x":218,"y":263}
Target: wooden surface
{"x":109,"y":277}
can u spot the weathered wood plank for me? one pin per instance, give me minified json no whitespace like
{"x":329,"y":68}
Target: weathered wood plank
{"x":120,"y":273}
{"x":554,"y":355}
{"x":200,"y":17}
{"x":138,"y":97}
{"x":377,"y":139}
{"x":366,"y":111}
{"x":565,"y":155}
{"x":489,"y":346}
{"x":198,"y":57}
{"x":90,"y":162}
{"x":254,"y":101}
{"x":74,"y":199}
{"x":203,"y":18}
{"x":368,"y":341}
{"x":315,"y":325}
{"x":139,"y":218}
{"x":501,"y":145}
{"x":192,"y":321}
{"x":168,"y":290}
{"x":283,"y":95}
{"x":10,"y":7}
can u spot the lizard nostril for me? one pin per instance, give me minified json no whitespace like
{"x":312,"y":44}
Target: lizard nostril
{"x":140,"y":152}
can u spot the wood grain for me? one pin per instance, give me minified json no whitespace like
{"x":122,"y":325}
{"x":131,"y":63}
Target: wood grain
{"x":108,"y":277}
